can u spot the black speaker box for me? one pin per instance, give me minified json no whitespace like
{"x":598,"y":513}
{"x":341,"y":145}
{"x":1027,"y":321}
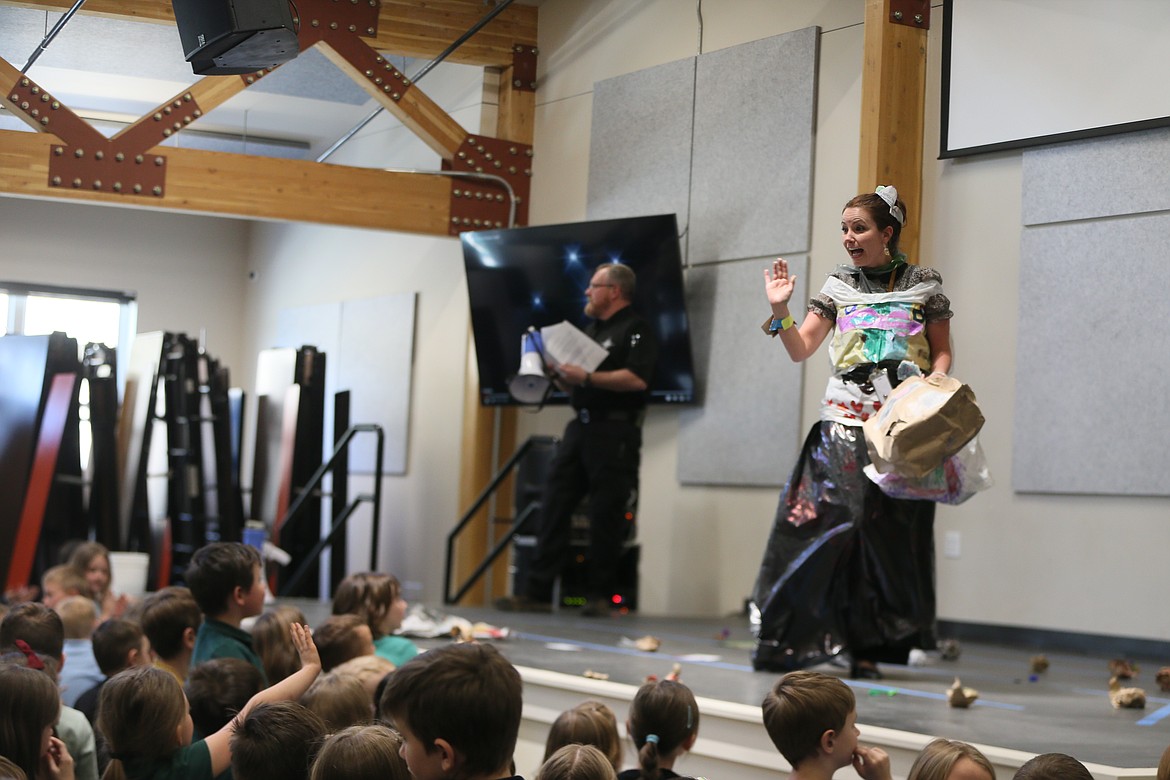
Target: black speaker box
{"x":231,"y":37}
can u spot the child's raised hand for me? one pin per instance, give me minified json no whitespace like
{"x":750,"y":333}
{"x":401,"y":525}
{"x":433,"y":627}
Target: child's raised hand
{"x":306,"y":648}
{"x":56,"y":763}
{"x":871,"y":763}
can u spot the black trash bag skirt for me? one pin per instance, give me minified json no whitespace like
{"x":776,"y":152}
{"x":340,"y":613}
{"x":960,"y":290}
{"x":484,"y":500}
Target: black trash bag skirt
{"x":847,"y":568}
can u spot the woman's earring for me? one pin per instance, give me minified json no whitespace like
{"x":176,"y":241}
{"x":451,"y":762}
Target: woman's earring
{"x":886,"y":249}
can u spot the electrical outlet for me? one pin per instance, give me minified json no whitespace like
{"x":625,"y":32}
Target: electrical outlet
{"x":952,"y":544}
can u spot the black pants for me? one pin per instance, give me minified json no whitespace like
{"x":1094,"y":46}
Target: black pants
{"x":598,"y":459}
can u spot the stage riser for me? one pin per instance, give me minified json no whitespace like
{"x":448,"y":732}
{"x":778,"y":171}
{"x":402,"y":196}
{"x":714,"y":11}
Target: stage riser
{"x":732,"y":743}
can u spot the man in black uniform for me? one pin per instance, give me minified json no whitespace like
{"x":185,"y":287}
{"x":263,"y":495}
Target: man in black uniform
{"x":601,"y":449}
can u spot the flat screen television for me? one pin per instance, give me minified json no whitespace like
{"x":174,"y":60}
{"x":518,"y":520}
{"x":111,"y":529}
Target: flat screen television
{"x":536,"y":276}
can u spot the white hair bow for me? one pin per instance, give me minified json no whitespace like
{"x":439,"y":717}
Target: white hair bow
{"x":890,"y":196}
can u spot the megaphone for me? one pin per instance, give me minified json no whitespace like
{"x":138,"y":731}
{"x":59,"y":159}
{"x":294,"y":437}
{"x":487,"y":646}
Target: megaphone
{"x":530,"y":384}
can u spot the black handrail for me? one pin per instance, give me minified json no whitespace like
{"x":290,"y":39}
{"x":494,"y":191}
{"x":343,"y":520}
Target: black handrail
{"x":487,"y":492}
{"x":315,"y":480}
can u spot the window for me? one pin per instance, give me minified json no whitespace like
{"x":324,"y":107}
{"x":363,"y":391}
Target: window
{"x":99,"y":316}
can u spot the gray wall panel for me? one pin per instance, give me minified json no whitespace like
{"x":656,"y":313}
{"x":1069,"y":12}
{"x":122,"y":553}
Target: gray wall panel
{"x":747,"y":430}
{"x":640,"y":143}
{"x":1093,"y":337}
{"x":752,"y":189}
{"x":1104,"y":177}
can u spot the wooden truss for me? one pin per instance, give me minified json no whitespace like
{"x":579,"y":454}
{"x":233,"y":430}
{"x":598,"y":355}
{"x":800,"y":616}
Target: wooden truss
{"x":68,"y":159}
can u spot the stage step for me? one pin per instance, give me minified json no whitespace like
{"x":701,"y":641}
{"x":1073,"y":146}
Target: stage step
{"x":732,"y":743}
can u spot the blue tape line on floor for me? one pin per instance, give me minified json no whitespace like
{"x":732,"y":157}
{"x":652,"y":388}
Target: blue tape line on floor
{"x":999,"y":705}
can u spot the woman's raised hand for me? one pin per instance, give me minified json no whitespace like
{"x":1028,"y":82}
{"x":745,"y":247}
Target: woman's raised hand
{"x":777,"y":283}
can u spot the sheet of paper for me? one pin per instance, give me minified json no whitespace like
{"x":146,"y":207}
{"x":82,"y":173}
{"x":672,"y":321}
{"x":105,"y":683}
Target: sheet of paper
{"x":564,"y":343}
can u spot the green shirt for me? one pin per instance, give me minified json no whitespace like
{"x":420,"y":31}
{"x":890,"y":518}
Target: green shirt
{"x":395,"y":649}
{"x":217,"y":639}
{"x":192,"y":762}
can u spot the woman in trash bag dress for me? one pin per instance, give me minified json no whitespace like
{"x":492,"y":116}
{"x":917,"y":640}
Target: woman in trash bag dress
{"x":847,"y":569}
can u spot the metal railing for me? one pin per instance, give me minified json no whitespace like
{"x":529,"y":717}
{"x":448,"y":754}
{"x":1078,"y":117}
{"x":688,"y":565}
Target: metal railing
{"x":310,"y":560}
{"x":526,"y":513}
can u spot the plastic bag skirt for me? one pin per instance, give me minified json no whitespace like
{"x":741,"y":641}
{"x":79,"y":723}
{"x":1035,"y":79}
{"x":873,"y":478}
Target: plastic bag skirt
{"x":847,"y":569}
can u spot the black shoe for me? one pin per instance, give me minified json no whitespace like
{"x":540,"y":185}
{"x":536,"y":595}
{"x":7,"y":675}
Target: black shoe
{"x":595,"y":608}
{"x":522,"y":604}
{"x":865,"y":670}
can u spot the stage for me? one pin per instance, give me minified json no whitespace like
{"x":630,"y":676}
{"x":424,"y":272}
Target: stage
{"x":1064,"y":709}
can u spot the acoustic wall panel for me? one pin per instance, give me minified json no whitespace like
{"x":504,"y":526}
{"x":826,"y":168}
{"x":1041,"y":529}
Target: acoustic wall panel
{"x":640,"y":143}
{"x":1104,"y":177}
{"x":751,"y":187}
{"x":747,"y":431}
{"x":371,"y":344}
{"x":1094,"y":332}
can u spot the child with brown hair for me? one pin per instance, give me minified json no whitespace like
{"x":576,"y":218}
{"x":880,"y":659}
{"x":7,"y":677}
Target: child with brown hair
{"x":377,"y":599}
{"x":458,"y":709}
{"x":270,"y":640}
{"x":92,"y":561}
{"x":29,"y":707}
{"x":276,"y":741}
{"x":171,"y":620}
{"x":145,"y":717}
{"x":588,"y":723}
{"x":218,"y":689}
{"x":812,"y":720}
{"x":370,"y":752}
{"x":342,"y":638}
{"x":663,"y":723}
{"x":224,"y":578}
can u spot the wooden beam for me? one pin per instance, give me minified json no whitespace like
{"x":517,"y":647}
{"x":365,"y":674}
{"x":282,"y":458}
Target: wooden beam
{"x":893,"y":98}
{"x":414,"y":28}
{"x":250,"y":187}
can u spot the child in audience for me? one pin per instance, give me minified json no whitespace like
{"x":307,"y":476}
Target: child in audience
{"x":1053,"y":766}
{"x":80,"y":671}
{"x":118,"y":644}
{"x":61,"y":582}
{"x":812,"y":720}
{"x":144,"y":715}
{"x":377,"y":599}
{"x":270,"y":641}
{"x":945,"y":759}
{"x":372,"y":670}
{"x":576,"y":762}
{"x":371,"y":752}
{"x":224,"y":578}
{"x":35,"y":630}
{"x":341,"y":638}
{"x":589,"y":723}
{"x":93,"y":561}
{"x":29,"y":706}
{"x":1164,"y":766}
{"x":276,"y":741}
{"x":218,"y":689}
{"x":457,"y":708}
{"x":340,"y":700}
{"x":170,"y":620}
{"x":663,"y":724}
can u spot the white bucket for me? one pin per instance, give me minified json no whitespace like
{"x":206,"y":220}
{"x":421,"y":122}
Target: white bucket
{"x":128,"y":573}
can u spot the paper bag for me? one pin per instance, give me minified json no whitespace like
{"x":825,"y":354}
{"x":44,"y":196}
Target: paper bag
{"x":959,"y":477}
{"x":922,"y":423}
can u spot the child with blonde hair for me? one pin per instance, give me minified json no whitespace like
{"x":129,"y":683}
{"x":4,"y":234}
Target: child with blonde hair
{"x":371,"y":752}
{"x":588,"y":723}
{"x":92,"y":561}
{"x":576,"y":762}
{"x":377,"y":599}
{"x":146,"y":720}
{"x":340,"y":700}
{"x":947,"y":759}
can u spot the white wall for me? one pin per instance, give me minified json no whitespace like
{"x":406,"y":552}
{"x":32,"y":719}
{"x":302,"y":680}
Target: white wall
{"x":1065,"y":563}
{"x":188,"y":270}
